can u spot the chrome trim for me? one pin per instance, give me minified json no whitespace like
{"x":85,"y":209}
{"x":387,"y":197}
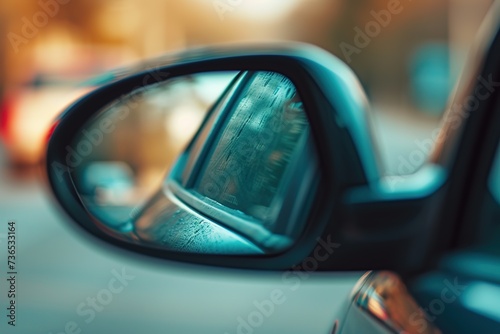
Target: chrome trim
{"x":384,"y":296}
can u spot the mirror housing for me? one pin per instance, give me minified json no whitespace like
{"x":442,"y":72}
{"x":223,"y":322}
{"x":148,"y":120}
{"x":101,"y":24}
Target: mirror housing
{"x":336,"y":108}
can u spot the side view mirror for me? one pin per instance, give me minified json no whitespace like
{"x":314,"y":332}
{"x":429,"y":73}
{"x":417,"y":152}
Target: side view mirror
{"x":256,"y":158}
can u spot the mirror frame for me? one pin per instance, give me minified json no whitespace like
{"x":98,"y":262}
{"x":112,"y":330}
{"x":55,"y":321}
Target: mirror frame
{"x":336,"y":107}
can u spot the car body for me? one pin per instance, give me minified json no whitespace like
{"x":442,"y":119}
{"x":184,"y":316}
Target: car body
{"x":437,"y":227}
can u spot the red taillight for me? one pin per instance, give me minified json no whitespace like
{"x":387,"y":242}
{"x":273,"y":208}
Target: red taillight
{"x":6,"y":119}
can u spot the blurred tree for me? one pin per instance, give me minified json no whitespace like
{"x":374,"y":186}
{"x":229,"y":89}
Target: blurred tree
{"x":382,"y":61}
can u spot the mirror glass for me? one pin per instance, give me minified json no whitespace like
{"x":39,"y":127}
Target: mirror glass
{"x":217,"y":162}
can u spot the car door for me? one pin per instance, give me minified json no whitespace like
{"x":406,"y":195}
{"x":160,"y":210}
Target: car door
{"x":459,"y":291}
{"x":461,"y":294}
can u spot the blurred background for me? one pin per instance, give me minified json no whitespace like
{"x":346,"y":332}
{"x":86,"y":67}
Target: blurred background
{"x":408,"y":66}
{"x":52,"y":51}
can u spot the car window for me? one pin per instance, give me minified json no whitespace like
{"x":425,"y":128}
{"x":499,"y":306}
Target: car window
{"x":494,"y":182}
{"x":253,"y":159}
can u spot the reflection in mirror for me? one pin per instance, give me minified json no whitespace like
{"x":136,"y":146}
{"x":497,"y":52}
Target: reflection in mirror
{"x":257,"y":143}
{"x":243,"y":186}
{"x":123,"y":154}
